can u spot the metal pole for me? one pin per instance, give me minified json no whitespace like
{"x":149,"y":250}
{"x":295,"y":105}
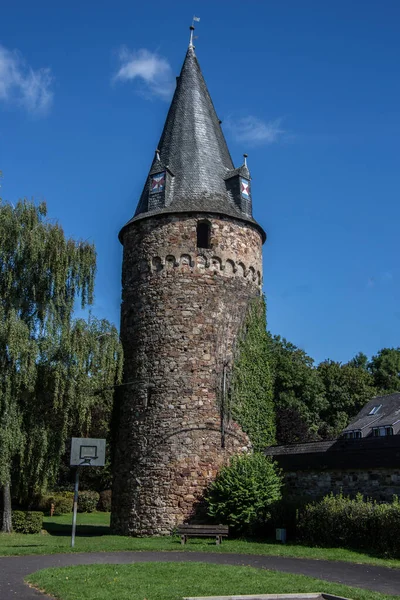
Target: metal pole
{"x":223,"y":412}
{"x":75,"y":507}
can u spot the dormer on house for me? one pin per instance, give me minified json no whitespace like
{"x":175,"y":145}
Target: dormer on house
{"x":380,"y":417}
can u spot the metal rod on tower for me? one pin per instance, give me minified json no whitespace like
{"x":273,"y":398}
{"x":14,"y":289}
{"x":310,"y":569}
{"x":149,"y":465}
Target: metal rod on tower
{"x":195,"y":19}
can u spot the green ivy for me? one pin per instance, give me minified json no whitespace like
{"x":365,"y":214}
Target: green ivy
{"x":250,"y":395}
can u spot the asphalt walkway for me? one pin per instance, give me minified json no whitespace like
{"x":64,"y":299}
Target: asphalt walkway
{"x":13,"y":569}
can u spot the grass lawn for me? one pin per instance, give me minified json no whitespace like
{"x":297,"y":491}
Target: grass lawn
{"x":93,"y":536}
{"x":173,"y":581}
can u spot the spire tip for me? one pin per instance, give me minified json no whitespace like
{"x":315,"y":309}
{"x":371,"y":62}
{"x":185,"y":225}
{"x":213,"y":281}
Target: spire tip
{"x":192,"y":30}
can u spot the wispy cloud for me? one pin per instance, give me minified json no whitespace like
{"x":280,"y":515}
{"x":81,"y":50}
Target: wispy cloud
{"x":254,"y":131}
{"x":23,"y":86}
{"x":149,"y":68}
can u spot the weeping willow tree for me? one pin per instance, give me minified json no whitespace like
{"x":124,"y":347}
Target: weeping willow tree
{"x":50,"y":364}
{"x":76,"y":377}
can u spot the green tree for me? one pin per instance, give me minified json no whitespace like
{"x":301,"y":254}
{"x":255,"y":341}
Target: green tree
{"x":250,"y":397}
{"x":347,"y":389}
{"x":244,"y":491}
{"x":385,"y":369}
{"x":43,"y":354}
{"x":360,"y":361}
{"x":17,"y":367}
{"x":298,"y":393}
{"x":76,"y":375}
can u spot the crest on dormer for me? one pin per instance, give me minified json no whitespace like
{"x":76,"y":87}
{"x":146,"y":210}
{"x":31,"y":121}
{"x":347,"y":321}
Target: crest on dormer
{"x":157,"y":183}
{"x":245,"y":188}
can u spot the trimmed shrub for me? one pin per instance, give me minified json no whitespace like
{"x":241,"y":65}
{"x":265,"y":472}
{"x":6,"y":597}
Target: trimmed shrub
{"x":104,"y":503}
{"x":27,"y":521}
{"x":243,"y":493}
{"x":353,"y":523}
{"x":87,"y":501}
{"x":63,"y":502}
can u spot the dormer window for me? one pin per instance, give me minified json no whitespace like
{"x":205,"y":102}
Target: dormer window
{"x":203,"y":234}
{"x":382,"y":431}
{"x":352,"y":435}
{"x":374,"y":409}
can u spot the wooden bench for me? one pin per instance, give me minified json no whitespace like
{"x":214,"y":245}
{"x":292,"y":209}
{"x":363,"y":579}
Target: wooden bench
{"x":217,"y":531}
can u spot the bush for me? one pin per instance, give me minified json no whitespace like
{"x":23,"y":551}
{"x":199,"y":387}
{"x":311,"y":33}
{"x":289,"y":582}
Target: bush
{"x":243,"y":493}
{"x":353,"y":523}
{"x":27,"y":521}
{"x":87,"y":501}
{"x":104,"y":503}
{"x":63,"y":502}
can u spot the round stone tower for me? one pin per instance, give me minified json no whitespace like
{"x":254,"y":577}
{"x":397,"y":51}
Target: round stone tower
{"x":192,"y":262}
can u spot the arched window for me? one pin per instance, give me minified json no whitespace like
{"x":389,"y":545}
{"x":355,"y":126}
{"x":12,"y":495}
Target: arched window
{"x":203,"y":234}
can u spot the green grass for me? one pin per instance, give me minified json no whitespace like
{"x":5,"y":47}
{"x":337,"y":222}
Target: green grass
{"x":173,"y":581}
{"x":93,"y":536}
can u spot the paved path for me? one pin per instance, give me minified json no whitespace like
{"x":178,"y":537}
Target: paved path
{"x":14,"y":568}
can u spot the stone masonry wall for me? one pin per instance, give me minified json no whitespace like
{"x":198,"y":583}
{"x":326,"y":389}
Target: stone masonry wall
{"x":181,"y":311}
{"x":379,"y":484}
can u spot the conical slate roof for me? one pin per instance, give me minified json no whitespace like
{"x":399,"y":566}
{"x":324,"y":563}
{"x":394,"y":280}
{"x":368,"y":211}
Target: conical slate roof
{"x":192,"y":157}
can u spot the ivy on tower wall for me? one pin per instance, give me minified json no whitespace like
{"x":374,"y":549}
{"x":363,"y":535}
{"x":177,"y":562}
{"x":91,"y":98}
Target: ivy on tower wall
{"x":250,"y":394}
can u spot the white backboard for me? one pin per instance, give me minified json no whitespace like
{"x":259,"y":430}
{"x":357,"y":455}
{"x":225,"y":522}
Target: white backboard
{"x":87,"y":452}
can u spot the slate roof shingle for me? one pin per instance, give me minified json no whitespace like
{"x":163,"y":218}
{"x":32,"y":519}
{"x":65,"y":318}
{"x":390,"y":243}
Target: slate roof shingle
{"x":193,"y":150}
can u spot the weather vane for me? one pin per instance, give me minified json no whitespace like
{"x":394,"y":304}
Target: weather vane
{"x":197,"y":19}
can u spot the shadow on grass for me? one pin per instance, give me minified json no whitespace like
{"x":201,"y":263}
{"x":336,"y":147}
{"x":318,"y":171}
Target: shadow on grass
{"x":81,"y":530}
{"x":25,"y":545}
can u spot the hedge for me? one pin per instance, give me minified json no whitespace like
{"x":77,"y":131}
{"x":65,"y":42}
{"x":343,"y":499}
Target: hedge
{"x":27,"y":521}
{"x":87,"y":501}
{"x":62,"y":501}
{"x":357,"y":523}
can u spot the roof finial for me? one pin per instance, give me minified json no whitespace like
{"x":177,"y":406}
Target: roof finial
{"x":192,"y":30}
{"x":245,"y":159}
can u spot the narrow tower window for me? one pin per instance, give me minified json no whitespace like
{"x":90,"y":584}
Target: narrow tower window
{"x":203,"y":234}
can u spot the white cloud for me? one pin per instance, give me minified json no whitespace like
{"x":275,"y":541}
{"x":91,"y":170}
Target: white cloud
{"x":153,"y":70}
{"x":23,"y":86}
{"x":256,"y":131}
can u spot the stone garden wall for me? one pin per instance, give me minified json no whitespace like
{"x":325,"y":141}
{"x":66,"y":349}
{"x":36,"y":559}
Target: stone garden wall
{"x":370,"y":466}
{"x":379,"y":484}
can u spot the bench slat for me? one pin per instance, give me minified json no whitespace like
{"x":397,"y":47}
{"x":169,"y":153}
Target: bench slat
{"x":219,"y":528}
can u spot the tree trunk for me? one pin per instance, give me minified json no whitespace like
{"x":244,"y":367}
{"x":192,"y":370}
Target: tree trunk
{"x":7,"y":523}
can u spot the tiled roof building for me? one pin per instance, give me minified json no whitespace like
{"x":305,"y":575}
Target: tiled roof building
{"x":380,"y":417}
{"x":192,"y":262}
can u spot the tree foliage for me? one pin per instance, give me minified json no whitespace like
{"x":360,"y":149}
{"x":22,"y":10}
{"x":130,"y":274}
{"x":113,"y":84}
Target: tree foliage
{"x":385,"y":369}
{"x":251,"y":391}
{"x":347,"y":389}
{"x":50,"y":364}
{"x":298,"y":392}
{"x":244,"y":491}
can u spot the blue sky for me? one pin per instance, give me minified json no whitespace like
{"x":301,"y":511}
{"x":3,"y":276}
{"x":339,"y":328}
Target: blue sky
{"x":310,"y":90}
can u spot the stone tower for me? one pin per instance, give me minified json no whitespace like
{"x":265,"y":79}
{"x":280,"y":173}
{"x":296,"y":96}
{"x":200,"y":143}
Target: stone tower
{"x":191,"y":263}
